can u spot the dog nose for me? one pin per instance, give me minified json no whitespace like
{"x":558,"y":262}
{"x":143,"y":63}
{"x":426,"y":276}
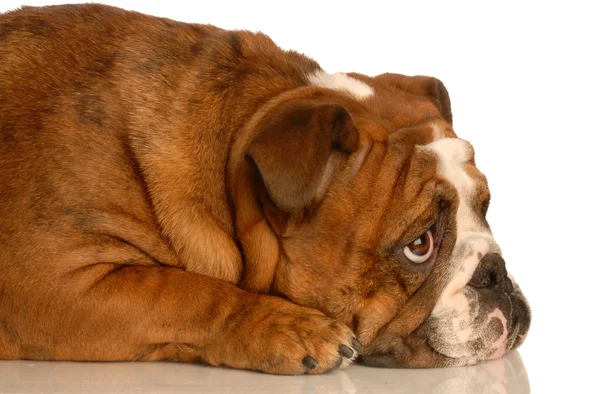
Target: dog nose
{"x":490,"y":272}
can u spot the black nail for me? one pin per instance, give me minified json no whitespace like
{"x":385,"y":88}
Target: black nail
{"x":310,"y":362}
{"x":345,"y":351}
{"x":356,"y":345}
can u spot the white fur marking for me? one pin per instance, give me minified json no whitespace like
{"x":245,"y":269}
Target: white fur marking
{"x":471,"y":237}
{"x":452,"y":154}
{"x":341,"y":81}
{"x":463,"y":271}
{"x":473,"y":241}
{"x":438,"y":134}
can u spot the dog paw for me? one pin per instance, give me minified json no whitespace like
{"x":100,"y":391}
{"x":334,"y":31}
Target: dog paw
{"x":279,"y":337}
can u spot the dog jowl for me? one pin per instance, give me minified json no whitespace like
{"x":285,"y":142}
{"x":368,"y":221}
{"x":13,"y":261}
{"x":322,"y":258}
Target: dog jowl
{"x":175,"y":191}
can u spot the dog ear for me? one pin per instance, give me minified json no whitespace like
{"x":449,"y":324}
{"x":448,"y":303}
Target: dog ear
{"x":294,"y":144}
{"x":435,"y":89}
{"x":422,"y":85}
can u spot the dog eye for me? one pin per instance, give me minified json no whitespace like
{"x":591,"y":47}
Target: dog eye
{"x":421,"y":249}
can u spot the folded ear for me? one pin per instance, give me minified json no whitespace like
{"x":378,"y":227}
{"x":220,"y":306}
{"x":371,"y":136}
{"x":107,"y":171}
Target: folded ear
{"x":422,"y":85}
{"x":435,"y":89}
{"x":294,"y":144}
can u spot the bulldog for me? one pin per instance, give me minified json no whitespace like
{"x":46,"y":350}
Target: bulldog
{"x":175,"y":191}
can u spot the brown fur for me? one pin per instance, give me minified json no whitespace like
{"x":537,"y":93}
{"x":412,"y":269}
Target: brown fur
{"x":157,"y":177}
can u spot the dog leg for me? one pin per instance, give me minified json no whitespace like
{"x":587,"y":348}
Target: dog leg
{"x":162,"y":313}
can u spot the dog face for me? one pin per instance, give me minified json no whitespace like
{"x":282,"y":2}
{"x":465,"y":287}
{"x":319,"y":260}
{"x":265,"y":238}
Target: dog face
{"x":382,"y":223}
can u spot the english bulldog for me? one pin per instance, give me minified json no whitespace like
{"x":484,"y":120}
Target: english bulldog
{"x":174,"y":191}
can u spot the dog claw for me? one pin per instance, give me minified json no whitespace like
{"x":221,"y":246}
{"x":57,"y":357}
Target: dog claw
{"x":356,"y":345}
{"x":346,"y":351}
{"x":309,"y":362}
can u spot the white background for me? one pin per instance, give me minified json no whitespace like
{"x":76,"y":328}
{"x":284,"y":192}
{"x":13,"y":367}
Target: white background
{"x":524,"y":82}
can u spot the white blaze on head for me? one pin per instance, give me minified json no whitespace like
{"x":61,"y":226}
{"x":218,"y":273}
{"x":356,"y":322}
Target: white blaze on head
{"x":473,"y":241}
{"x":452,"y":155}
{"x":438,"y":133}
{"x":341,"y":81}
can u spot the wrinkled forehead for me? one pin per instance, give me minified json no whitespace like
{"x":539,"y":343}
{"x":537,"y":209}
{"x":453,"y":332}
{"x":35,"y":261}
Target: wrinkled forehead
{"x":455,"y":164}
{"x":454,"y":159}
{"x":424,"y":164}
{"x":433,"y":143}
{"x":403,"y":129}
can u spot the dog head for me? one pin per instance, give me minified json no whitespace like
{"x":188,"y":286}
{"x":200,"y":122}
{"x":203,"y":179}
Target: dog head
{"x":366,"y":206}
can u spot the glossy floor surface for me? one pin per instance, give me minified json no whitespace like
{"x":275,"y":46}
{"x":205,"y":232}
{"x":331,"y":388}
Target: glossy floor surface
{"x":506,"y":375}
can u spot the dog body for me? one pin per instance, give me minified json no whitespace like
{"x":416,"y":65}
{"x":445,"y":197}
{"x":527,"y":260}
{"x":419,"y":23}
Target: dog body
{"x":172,"y":191}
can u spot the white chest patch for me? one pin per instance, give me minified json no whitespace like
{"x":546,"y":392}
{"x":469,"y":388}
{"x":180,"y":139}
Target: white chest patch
{"x":341,"y":81}
{"x":459,"y":327}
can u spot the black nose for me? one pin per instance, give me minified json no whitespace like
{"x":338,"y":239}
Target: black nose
{"x":490,"y":272}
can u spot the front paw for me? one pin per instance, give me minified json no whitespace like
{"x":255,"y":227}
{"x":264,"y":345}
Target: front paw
{"x":279,"y":337}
